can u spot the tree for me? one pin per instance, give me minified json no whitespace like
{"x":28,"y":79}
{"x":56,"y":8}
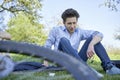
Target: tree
{"x":31,"y":7}
{"x":24,"y":25}
{"x":21,"y":29}
{"x":114,"y":5}
{"x":117,"y":35}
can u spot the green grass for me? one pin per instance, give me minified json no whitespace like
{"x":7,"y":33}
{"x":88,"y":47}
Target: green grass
{"x":97,"y":65}
{"x":59,"y":75}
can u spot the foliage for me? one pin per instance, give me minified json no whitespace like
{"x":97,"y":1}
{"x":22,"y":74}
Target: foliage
{"x":114,"y":5}
{"x":24,"y":26}
{"x":31,"y":7}
{"x":21,"y":29}
{"x":117,"y":35}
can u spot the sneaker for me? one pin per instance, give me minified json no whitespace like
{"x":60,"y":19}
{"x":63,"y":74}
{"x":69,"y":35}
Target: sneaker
{"x":114,"y":70}
{"x":99,"y":75}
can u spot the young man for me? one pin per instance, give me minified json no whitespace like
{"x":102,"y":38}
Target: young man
{"x":67,"y":39}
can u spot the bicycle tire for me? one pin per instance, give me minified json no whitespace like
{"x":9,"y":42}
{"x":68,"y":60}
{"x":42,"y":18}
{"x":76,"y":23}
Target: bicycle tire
{"x":78,"y":69}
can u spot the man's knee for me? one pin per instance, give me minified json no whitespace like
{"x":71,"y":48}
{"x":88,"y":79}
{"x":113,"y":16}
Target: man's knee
{"x":63,"y":39}
{"x":90,"y":38}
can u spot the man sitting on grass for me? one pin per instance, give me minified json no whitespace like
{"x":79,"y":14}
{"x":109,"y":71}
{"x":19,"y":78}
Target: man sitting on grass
{"x":67,"y":39}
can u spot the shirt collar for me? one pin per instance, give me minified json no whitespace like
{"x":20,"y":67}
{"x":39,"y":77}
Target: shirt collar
{"x":64,"y":28}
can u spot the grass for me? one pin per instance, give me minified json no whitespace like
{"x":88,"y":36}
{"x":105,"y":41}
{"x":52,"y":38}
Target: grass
{"x":59,"y":75}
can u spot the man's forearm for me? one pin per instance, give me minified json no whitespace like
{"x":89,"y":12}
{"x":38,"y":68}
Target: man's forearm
{"x":96,"y":39}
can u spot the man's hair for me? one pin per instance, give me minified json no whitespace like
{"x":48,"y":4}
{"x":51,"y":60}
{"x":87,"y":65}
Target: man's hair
{"x":69,"y":13}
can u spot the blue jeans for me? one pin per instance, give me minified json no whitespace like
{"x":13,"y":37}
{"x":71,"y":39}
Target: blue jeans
{"x":65,"y":46}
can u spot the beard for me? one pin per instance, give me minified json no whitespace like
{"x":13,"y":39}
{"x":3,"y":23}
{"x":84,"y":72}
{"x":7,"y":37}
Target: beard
{"x":71,"y":30}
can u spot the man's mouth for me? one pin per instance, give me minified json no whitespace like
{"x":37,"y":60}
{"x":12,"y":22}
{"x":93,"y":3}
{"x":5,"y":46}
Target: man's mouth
{"x":71,"y":29}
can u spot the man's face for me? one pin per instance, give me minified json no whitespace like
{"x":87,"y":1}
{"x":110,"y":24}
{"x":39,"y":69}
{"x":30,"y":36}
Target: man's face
{"x":71,"y":24}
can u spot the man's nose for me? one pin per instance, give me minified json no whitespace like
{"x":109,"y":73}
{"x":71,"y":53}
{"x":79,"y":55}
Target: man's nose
{"x":72,"y":25}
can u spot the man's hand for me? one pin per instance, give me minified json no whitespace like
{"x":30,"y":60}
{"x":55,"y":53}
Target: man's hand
{"x":90,"y":51}
{"x":5,"y":35}
{"x":45,"y":63}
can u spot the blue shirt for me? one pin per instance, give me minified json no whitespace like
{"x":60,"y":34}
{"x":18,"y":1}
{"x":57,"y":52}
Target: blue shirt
{"x":79,"y":34}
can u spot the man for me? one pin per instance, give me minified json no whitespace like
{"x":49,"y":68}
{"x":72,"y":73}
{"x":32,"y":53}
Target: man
{"x":67,"y":39}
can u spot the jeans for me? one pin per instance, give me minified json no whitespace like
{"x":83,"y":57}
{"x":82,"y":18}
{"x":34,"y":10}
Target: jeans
{"x":65,"y":46}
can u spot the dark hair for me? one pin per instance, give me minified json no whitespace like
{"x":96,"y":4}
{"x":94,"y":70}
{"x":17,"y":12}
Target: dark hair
{"x":69,"y":13}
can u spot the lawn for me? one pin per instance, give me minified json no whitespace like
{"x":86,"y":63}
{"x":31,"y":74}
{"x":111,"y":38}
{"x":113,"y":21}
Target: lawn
{"x":59,"y":75}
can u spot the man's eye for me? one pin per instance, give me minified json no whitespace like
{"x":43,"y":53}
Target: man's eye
{"x":69,"y":23}
{"x":74,"y":22}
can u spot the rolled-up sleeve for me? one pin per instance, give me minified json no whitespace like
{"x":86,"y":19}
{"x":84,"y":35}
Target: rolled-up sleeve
{"x":88,"y":33}
{"x":98,"y":34}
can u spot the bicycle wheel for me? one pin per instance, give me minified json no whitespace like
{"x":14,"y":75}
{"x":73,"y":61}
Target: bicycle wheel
{"x":78,"y":69}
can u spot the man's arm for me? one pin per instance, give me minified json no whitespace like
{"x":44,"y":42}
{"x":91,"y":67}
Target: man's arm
{"x":96,"y":39}
{"x":51,"y":39}
{"x":49,"y":42}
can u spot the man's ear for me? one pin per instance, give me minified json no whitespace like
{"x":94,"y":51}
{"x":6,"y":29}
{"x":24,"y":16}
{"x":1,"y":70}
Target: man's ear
{"x":63,"y":22}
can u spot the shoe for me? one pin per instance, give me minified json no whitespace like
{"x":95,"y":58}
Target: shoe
{"x":99,"y":75}
{"x":114,"y":70}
